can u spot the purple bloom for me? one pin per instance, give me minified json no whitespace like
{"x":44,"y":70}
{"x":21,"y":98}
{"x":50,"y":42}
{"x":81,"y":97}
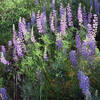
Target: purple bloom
{"x":36,"y":2}
{"x":96,"y":6}
{"x":32,"y":18}
{"x":84,"y":50}
{"x":69,"y":16}
{"x":53,"y":4}
{"x":59,"y":44}
{"x":95,"y":24}
{"x":9,"y":44}
{"x":24,"y":21}
{"x":78,"y":43}
{"x":39,"y":23}
{"x":85,"y":17}
{"x":63,"y":23}
{"x":91,"y":2}
{"x":90,"y":16}
{"x":62,"y":10}
{"x":90,"y":30}
{"x":80,"y":19}
{"x":15,"y":57}
{"x":3,"y":49}
{"x":28,"y":26}
{"x":73,"y":58}
{"x":3,"y":60}
{"x":84,"y":83}
{"x":3,"y":94}
{"x":52,"y":26}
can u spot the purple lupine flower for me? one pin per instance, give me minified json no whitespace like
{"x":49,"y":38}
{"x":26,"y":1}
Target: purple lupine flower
{"x":90,"y":16}
{"x":80,"y":19}
{"x":52,"y":27}
{"x":28,"y":26}
{"x":3,"y":94}
{"x":44,"y":9}
{"x":85,"y":17}
{"x":10,"y":43}
{"x":95,"y":24}
{"x":39,"y":76}
{"x":32,"y":36}
{"x":32,"y":18}
{"x":96,"y":3}
{"x":54,"y":12}
{"x":91,"y":2}
{"x":19,"y":48}
{"x":43,"y":21}
{"x":53,"y":4}
{"x":78,"y":43}
{"x":63,"y":24}
{"x":61,"y":10}
{"x":3,"y":60}
{"x":45,"y":55}
{"x":59,"y":44}
{"x":39,"y":23}
{"x":84,"y":50}
{"x":3,"y":49}
{"x":84,"y":84}
{"x":24,"y":21}
{"x":90,"y":30}
{"x":69,"y":16}
{"x":73,"y":58}
{"x":36,"y":2}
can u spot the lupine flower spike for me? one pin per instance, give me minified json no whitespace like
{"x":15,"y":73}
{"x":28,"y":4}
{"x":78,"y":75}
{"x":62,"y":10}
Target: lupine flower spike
{"x":32,"y":18}
{"x":63,"y":23}
{"x":53,"y":4}
{"x":3,"y":94}
{"x":80,"y":19}
{"x":90,"y":16}
{"x":95,"y":25}
{"x":84,"y":84}
{"x":69,"y":16}
{"x":39,"y":24}
{"x":96,"y":3}
{"x":73,"y":58}
{"x":85,"y":17}
{"x":3,"y":60}
{"x":78,"y":43}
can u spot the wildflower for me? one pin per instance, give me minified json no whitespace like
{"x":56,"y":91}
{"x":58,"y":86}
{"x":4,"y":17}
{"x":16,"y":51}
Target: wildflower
{"x":36,"y":2}
{"x":78,"y":43}
{"x":69,"y":16}
{"x":9,"y":44}
{"x":59,"y":44}
{"x":80,"y":15}
{"x":90,"y":30}
{"x":62,"y":10}
{"x":63,"y":23}
{"x":84,"y":84}
{"x":95,"y":25}
{"x":3,"y":60}
{"x":85,"y":17}
{"x":24,"y":21}
{"x":96,"y":3}
{"x":53,"y":4}
{"x":73,"y":58}
{"x":91,"y":2}
{"x":3,"y":49}
{"x":3,"y":94}
{"x":28,"y":26}
{"x":90,"y":16}
{"x":32,"y":18}
{"x":39,"y":24}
